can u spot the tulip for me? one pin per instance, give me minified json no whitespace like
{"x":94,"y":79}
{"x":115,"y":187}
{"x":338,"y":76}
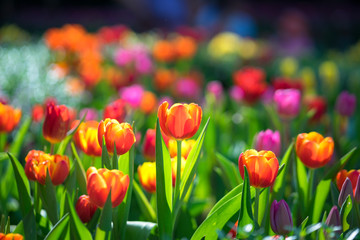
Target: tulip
{"x":346,"y":190}
{"x":186,"y":147}
{"x":287,"y":102}
{"x":148,"y":102}
{"x":37,"y":113}
{"x":185,"y":47}
{"x":57,"y":123}
{"x":99,"y":183}
{"x":333,"y":220}
{"x":313,"y":149}
{"x":268,"y":140}
{"x":119,"y":134}
{"x":353,"y":175}
{"x":147,"y":176}
{"x":252,"y":81}
{"x":85,"y":209}
{"x":164,"y":51}
{"x":262,"y":166}
{"x":86,"y":138}
{"x":149,"y":145}
{"x":116,"y":110}
{"x":38,"y":163}
{"x":318,"y":105}
{"x":181,"y":121}
{"x":163,"y":79}
{"x":236,"y":93}
{"x":11,"y":236}
{"x":9,"y":118}
{"x":346,"y":104}
{"x":132,"y":95}
{"x":280,"y":218}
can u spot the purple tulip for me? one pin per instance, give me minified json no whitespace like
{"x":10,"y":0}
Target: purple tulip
{"x":236,"y":93}
{"x":215,"y":88}
{"x":280,"y":218}
{"x":287,"y":102}
{"x":346,"y":190}
{"x":132,"y":94}
{"x":333,"y":220}
{"x":268,"y":140}
{"x":357,"y":191}
{"x":346,"y":104}
{"x":91,"y":114}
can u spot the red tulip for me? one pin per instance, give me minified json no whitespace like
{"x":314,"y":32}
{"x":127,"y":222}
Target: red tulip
{"x":85,"y":209}
{"x":57,"y":123}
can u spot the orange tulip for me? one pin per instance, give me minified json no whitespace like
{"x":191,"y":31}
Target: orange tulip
{"x":57,"y":122}
{"x":163,"y":51}
{"x":11,"y":236}
{"x":262,"y":166}
{"x":147,"y":176}
{"x":38,"y":162}
{"x":148,"y":102}
{"x":86,"y":138}
{"x":9,"y":118}
{"x":181,"y":121}
{"x":314,"y":150}
{"x":85,"y":209}
{"x":185,"y":47}
{"x":186,"y":147}
{"x":353,"y":175}
{"x":99,"y":183}
{"x":120,"y":134}
{"x":163,"y":79}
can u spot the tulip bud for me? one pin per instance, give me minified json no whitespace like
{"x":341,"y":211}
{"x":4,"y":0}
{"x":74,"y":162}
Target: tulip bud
{"x":333,"y":220}
{"x":57,"y":122}
{"x":346,"y":190}
{"x":346,"y":104}
{"x":268,"y":140}
{"x":280,"y":218}
{"x":85,"y":209}
{"x":357,"y":191}
{"x":287,"y":102}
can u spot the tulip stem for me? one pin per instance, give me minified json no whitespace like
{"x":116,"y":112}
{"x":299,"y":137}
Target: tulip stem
{"x":256,"y":206}
{"x":178,"y":172}
{"x":310,"y":185}
{"x":51,"y":148}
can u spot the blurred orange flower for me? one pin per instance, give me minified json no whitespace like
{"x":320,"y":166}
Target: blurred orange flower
{"x":313,"y":149}
{"x":185,"y":47}
{"x":262,"y":167}
{"x":186,"y":147}
{"x":9,"y":118}
{"x":181,"y":121}
{"x":148,"y":102}
{"x":116,"y":110}
{"x":163,"y":51}
{"x":86,"y":136}
{"x":99,"y":183}
{"x":164,"y":78}
{"x":147,"y":176}
{"x":37,"y":112}
{"x":11,"y":236}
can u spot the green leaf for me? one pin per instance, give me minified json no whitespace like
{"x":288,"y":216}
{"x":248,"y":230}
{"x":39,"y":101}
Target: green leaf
{"x":60,"y":227}
{"x":303,"y":224}
{"x":63,"y":144}
{"x":264,"y":207}
{"x":246,"y":215}
{"x":230,"y":171}
{"x":48,"y":198}
{"x":302,"y":182}
{"x":24,"y":199}
{"x":163,"y":187}
{"x":339,"y":165}
{"x":280,"y":182}
{"x":19,"y":228}
{"x":322,"y":191}
{"x":77,"y":228}
{"x":20,"y":136}
{"x":105,"y":159}
{"x":143,"y":203}
{"x":80,"y":171}
{"x":191,"y":164}
{"x":139,"y":230}
{"x":103,"y":231}
{"x":345,"y":213}
{"x":126,"y":165}
{"x":236,"y":191}
{"x":115,"y":160}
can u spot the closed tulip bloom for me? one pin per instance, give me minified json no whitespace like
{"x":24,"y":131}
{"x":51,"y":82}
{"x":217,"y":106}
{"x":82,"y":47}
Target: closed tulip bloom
{"x":268,"y":140}
{"x":99,"y":183}
{"x":57,"y":122}
{"x":149,"y":145}
{"x":120,"y":134}
{"x":333,"y":220}
{"x":11,"y":236}
{"x":280,"y":218}
{"x":353,"y":175}
{"x":9,"y":118}
{"x":313,"y":149}
{"x":287,"y":102}
{"x":86,"y":138}
{"x":116,"y":110}
{"x":147,"y":176}
{"x":346,"y":190}
{"x":262,"y":166}
{"x":186,"y":147}
{"x":59,"y":169}
{"x":85,"y":209}
{"x":181,"y":121}
{"x":346,"y":104}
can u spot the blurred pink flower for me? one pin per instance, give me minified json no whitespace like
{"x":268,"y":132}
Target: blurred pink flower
{"x":346,"y":104}
{"x":91,"y":114}
{"x":123,"y":57}
{"x":166,"y":99}
{"x":187,"y":88}
{"x":287,"y":102}
{"x":268,"y":140}
{"x":215,"y":88}
{"x":132,"y":95}
{"x":236,"y":93}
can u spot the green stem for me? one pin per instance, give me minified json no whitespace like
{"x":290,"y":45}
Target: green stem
{"x":52,"y":148}
{"x":357,"y":211}
{"x":2,"y":142}
{"x":178,"y":173}
{"x":310,"y":186}
{"x":256,"y":206}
